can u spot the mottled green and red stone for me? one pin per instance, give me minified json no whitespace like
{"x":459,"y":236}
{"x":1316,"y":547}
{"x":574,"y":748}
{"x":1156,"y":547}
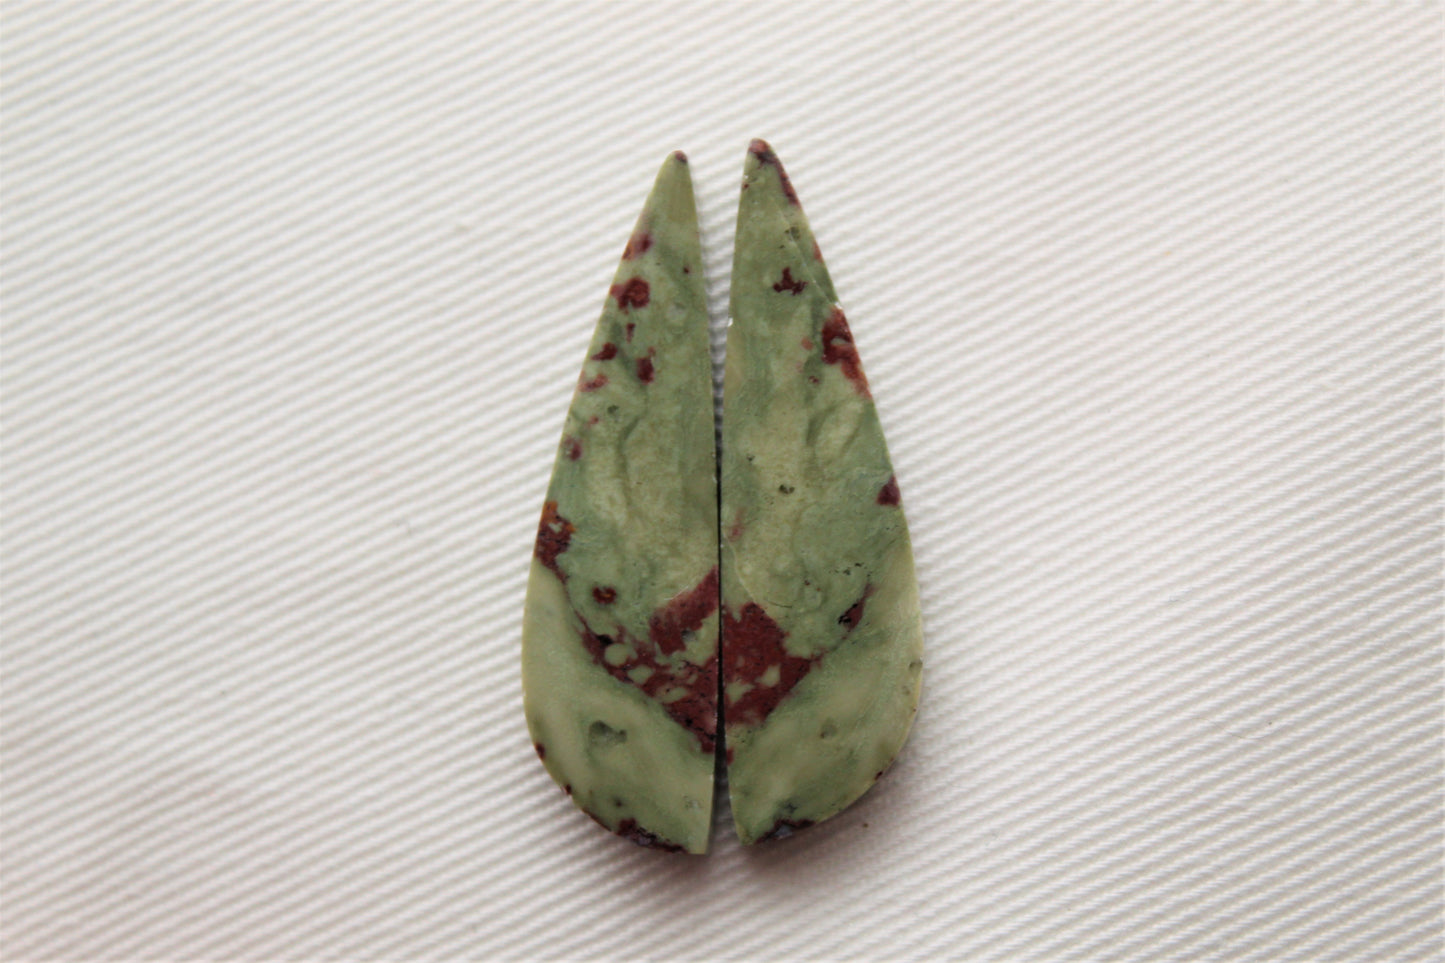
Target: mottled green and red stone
{"x":821,"y":633}
{"x":620,"y":633}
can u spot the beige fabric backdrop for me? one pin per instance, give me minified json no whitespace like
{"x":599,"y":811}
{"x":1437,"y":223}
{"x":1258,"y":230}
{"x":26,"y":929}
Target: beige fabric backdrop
{"x":293,"y":300}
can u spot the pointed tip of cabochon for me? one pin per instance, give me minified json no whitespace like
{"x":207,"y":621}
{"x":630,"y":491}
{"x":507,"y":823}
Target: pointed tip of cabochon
{"x":674,"y":176}
{"x":671,"y":201}
{"x":675,"y":166}
{"x":761,"y":154}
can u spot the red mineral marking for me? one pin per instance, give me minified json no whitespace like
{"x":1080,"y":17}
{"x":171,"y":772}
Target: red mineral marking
{"x":854,"y":615}
{"x":765,"y":155}
{"x":788,"y":284}
{"x":817,"y":252}
{"x":604,"y":594}
{"x":567,"y":789}
{"x":645,"y":370}
{"x":696,"y":710}
{"x":628,"y":829}
{"x":594,"y":419}
{"x":888,"y":494}
{"x":572,"y":447}
{"x":807,"y":344}
{"x":679,"y":155}
{"x":541,"y":750}
{"x":637,"y":245}
{"x":608,"y":352}
{"x":685,"y":612}
{"x":633,"y":293}
{"x":838,"y":349}
{"x":752,"y":643}
{"x":630,"y":326}
{"x":553,"y":537}
{"x":788,"y":191}
{"x":596,"y":382}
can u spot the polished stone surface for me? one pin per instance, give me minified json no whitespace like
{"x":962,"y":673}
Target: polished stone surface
{"x":620,"y":633}
{"x":822,"y":639}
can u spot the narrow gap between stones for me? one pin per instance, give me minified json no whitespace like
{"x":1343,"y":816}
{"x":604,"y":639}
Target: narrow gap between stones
{"x":717,"y":325}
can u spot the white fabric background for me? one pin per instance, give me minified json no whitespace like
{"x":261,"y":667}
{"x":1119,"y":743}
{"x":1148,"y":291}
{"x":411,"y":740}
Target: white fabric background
{"x":294,"y":298}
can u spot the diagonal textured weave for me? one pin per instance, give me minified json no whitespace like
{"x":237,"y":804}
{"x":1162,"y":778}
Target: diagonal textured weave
{"x":292,"y":298}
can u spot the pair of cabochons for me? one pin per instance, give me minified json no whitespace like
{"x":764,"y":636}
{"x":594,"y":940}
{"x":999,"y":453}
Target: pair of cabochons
{"x":779,"y":598}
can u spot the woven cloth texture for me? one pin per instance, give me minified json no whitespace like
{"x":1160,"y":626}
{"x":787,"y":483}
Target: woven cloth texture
{"x":294,"y":298}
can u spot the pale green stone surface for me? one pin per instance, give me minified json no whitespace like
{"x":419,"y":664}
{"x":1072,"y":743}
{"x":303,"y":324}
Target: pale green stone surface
{"x":634,"y":479}
{"x":811,"y":526}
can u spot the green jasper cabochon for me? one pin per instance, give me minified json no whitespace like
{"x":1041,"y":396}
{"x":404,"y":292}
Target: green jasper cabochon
{"x":620,"y":633}
{"x":822,"y":643}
